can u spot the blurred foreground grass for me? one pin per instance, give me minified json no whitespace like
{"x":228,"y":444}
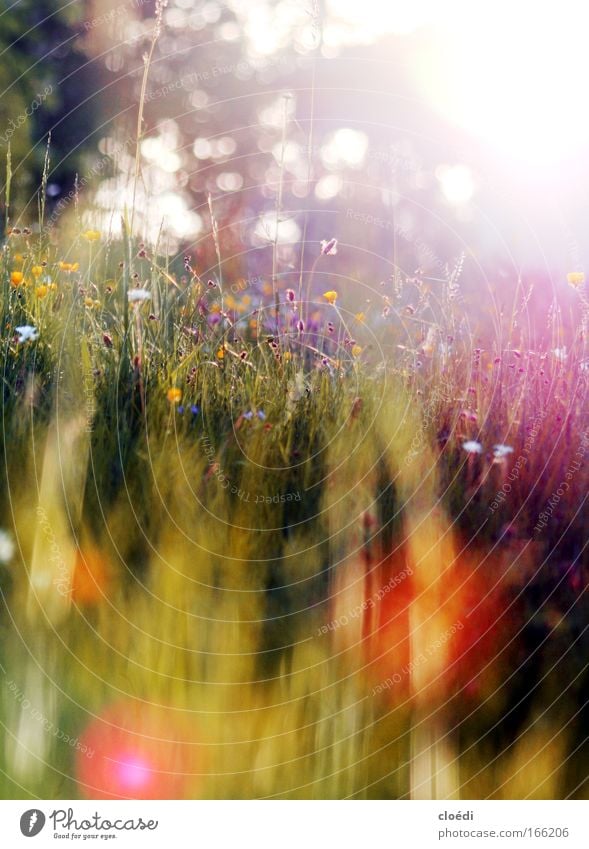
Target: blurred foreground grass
{"x":256,"y":556}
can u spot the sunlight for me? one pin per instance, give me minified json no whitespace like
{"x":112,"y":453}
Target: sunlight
{"x":514,"y":78}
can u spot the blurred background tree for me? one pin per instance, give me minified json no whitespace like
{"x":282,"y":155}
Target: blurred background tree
{"x":44,"y":61}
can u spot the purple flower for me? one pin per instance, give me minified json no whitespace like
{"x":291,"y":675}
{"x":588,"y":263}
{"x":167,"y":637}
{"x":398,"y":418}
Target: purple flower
{"x":195,"y":410}
{"x":290,"y":295}
{"x":249,"y":415}
{"x":213,"y":319}
{"x":262,"y":415}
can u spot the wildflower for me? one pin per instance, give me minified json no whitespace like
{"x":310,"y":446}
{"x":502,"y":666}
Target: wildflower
{"x":211,"y":284}
{"x":107,"y":340}
{"x":195,"y":410}
{"x":502,"y":451}
{"x":69,"y":266}
{"x":41,"y":291}
{"x":360,"y":316}
{"x":88,"y":302}
{"x":249,"y":415}
{"x":138,"y":295}
{"x":330,"y":297}
{"x":16,"y":278}
{"x":290,"y":295}
{"x":180,"y":409}
{"x":330,"y":327}
{"x":472,"y":447}
{"x":26,"y":333}
{"x":221,"y":354}
{"x":261,"y":415}
{"x":575,"y":279}
{"x":356,"y":350}
{"x":174,"y":395}
{"x":213,"y":319}
{"x":243,"y":355}
{"x":287,"y":356}
{"x":6,"y":547}
{"x":91,"y":577}
{"x":329,"y":248}
{"x":91,"y":235}
{"x":300,"y":325}
{"x":37,"y":270}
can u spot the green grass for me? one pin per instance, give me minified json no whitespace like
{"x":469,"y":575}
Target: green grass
{"x":228,"y":473}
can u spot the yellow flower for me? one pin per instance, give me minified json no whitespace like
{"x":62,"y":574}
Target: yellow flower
{"x":174,"y":395}
{"x":575,"y":278}
{"x":360,"y":317}
{"x":91,"y":235}
{"x":88,"y":302}
{"x":330,"y":297}
{"x":220,"y":354}
{"x":41,"y":291}
{"x":287,"y":356}
{"x":356,"y":350}
{"x":37,"y":270}
{"x":69,"y":266}
{"x":16,"y":278}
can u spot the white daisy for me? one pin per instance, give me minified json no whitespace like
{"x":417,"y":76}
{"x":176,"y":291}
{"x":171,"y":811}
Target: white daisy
{"x":472,"y":447}
{"x":138,"y":295}
{"x":27,"y":333}
{"x":501,"y":451}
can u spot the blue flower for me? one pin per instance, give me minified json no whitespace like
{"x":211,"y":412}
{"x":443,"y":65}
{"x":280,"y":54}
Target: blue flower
{"x":181,"y":409}
{"x":249,"y":415}
{"x":195,"y":410}
{"x":262,"y":415}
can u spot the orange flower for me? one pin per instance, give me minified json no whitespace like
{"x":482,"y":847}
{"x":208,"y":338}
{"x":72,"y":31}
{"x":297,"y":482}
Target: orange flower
{"x":174,"y":395}
{"x":16,"y":278}
{"x":91,"y":576}
{"x":69,"y":266}
{"x":330,"y":297}
{"x":575,"y":279}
